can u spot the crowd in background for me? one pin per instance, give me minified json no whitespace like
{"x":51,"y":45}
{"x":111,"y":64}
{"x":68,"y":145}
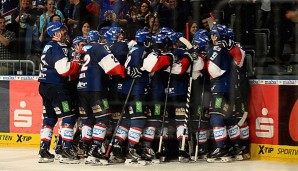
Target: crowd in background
{"x":24,"y":35}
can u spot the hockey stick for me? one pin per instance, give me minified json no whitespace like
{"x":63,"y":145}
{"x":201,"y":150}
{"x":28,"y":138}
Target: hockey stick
{"x":164,"y":111}
{"x":200,"y":119}
{"x":187,"y":113}
{"x":107,"y":154}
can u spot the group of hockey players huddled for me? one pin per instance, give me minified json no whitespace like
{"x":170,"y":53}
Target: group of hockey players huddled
{"x":145,"y":99}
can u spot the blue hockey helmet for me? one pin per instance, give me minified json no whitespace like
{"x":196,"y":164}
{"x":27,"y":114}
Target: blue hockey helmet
{"x":200,"y":41}
{"x":202,"y":32}
{"x":113,"y":33}
{"x":159,"y":38}
{"x":165,"y":30}
{"x":179,"y":34}
{"x":93,"y":35}
{"x":78,"y":39}
{"x":219,"y":30}
{"x":230,"y":34}
{"x":54,"y":27}
{"x":142,"y":35}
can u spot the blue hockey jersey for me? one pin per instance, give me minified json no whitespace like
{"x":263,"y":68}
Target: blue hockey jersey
{"x":99,"y":62}
{"x":55,"y":66}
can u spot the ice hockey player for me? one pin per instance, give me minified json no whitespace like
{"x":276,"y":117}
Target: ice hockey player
{"x":76,"y":54}
{"x":239,"y":136}
{"x":134,"y":117}
{"x":200,"y":96}
{"x":155,"y":63}
{"x":218,"y":66}
{"x":92,"y":88}
{"x":53,"y":77}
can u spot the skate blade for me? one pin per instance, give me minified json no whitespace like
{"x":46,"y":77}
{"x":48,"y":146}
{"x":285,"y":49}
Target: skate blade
{"x":45,"y":160}
{"x":133,"y":161}
{"x":155,"y":161}
{"x":183,"y":160}
{"x":68,"y":161}
{"x":95,"y":162}
{"x":219,"y":160}
{"x":237,"y":158}
{"x":199,"y":158}
{"x":246,"y":156}
{"x":58,"y":156}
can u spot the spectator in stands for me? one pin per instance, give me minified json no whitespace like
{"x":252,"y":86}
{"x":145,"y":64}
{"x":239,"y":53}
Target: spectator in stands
{"x":25,"y":28}
{"x":264,"y":14}
{"x":153,"y":25}
{"x":49,"y":10}
{"x":193,"y":28}
{"x":291,"y":15}
{"x":6,"y":37}
{"x":79,"y":15}
{"x":142,"y":15}
{"x":85,"y":27}
{"x":8,"y":6}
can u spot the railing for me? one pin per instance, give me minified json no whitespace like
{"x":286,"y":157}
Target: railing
{"x":17,"y":67}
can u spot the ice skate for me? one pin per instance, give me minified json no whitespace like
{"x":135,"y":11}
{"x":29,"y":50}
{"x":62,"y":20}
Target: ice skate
{"x":219,"y":155}
{"x":45,"y":156}
{"x":148,"y":154}
{"x":58,"y":152}
{"x":96,"y":157}
{"x":68,"y":156}
{"x":117,"y":154}
{"x":235,"y":153}
{"x":245,"y":153}
{"x":183,"y":157}
{"x":133,"y":157}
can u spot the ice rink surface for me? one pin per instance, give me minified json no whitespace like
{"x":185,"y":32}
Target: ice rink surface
{"x":23,"y":159}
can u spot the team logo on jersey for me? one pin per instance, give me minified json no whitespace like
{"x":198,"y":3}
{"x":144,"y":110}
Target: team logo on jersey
{"x":157,"y":109}
{"x":105,"y":103}
{"x":218,"y":102}
{"x":65,"y":51}
{"x":139,"y":107}
{"x":65,"y":106}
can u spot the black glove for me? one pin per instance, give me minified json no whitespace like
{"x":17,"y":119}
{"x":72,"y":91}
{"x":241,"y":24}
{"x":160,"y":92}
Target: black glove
{"x":134,"y":72}
{"x":192,"y":54}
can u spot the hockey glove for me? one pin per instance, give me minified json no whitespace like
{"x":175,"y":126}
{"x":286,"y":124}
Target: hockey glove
{"x":133,"y":72}
{"x":191,"y":54}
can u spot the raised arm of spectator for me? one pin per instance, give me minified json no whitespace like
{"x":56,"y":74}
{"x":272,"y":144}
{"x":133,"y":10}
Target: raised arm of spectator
{"x":4,"y":40}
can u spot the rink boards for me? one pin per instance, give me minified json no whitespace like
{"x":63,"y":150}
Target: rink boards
{"x":273,"y":116}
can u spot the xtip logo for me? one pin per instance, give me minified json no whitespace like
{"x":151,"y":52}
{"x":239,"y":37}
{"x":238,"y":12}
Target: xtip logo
{"x":264,"y":125}
{"x":22,"y":117}
{"x":264,"y":149}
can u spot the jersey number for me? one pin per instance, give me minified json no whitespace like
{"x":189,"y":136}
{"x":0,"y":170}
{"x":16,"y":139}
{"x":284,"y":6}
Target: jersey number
{"x":86,"y":62}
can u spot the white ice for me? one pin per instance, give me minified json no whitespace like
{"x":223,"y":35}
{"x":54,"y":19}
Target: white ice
{"x":23,"y":159}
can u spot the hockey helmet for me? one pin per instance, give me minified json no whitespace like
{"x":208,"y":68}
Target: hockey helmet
{"x":93,"y":35}
{"x":142,"y":35}
{"x":54,"y":27}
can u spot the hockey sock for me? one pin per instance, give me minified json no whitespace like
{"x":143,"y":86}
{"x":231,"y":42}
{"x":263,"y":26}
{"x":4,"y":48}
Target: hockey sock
{"x":244,"y":135}
{"x":122,"y":133}
{"x":202,"y":138}
{"x":46,"y":136}
{"x":99,"y":133}
{"x":220,"y":135}
{"x":234,"y":134}
{"x":148,"y":136}
{"x":134,"y":135}
{"x":67,"y":135}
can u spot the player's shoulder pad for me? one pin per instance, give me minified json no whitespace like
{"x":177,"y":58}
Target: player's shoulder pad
{"x":85,"y":48}
{"x":46,"y":48}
